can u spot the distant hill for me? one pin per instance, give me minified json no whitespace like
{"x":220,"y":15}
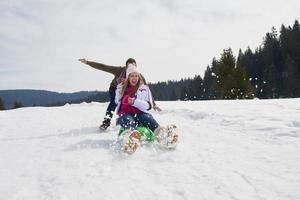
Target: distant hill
{"x":48,"y":98}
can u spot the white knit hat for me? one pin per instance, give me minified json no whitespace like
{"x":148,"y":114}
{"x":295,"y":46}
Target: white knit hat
{"x":130,"y":69}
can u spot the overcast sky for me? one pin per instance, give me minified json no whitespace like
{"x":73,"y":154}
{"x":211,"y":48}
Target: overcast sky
{"x":41,"y":40}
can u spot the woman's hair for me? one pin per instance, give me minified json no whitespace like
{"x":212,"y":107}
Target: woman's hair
{"x":130,"y":60}
{"x":126,"y":84}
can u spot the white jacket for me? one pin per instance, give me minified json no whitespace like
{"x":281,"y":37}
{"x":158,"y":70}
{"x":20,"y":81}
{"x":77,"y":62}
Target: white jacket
{"x":143,"y":101}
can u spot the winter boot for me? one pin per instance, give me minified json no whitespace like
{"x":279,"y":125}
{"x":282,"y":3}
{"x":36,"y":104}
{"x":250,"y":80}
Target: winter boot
{"x":167,"y":136}
{"x":130,"y":140}
{"x":105,"y":124}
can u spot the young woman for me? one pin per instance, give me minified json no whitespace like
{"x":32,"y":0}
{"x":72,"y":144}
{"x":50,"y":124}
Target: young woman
{"x":134,"y":102}
{"x":119,"y":73}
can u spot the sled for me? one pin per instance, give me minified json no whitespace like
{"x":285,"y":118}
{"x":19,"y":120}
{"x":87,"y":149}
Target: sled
{"x":146,"y":134}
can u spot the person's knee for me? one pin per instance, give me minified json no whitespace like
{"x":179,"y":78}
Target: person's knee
{"x":126,"y":121}
{"x":147,"y":120}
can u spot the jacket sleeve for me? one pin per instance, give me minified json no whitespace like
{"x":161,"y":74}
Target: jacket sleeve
{"x":118,"y":93}
{"x":106,"y":68}
{"x":145,"y":82}
{"x":143,"y":100}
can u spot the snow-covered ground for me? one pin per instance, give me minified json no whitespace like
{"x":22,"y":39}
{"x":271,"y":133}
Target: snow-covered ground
{"x":240,"y":149}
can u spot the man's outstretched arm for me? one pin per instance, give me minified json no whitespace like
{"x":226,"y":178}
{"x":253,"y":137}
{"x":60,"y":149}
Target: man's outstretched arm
{"x":103,"y":67}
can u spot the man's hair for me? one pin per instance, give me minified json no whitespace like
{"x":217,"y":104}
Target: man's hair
{"x":130,"y":61}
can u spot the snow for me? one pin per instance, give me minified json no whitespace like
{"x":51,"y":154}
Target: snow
{"x":238,"y":149}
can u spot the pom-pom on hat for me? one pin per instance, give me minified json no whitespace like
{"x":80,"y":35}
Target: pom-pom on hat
{"x":131,"y":69}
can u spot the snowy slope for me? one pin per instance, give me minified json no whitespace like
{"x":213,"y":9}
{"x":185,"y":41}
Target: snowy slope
{"x":228,"y":150}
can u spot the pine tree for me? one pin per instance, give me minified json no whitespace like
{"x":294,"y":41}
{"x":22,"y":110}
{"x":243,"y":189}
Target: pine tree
{"x":2,"y":107}
{"x":18,"y":104}
{"x":196,"y":88}
{"x":184,"y":94}
{"x":231,"y":82}
{"x":291,"y":79}
{"x":209,"y":80}
{"x":173,"y":96}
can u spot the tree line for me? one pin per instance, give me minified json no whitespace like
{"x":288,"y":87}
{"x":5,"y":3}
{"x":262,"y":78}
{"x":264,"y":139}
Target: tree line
{"x":17,"y":104}
{"x":272,"y":70}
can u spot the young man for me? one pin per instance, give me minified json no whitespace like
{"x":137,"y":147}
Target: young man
{"x":119,"y":73}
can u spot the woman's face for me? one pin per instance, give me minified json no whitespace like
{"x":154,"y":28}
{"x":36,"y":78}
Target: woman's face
{"x":133,"y":78}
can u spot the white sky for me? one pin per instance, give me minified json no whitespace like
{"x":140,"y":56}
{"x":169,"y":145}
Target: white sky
{"x":41,"y":40}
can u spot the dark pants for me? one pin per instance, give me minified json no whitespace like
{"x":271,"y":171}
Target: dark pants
{"x":129,"y":121}
{"x":112,"y":105}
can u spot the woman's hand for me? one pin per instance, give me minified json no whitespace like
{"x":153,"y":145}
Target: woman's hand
{"x":156,"y":108}
{"x":128,"y":100}
{"x":83,"y":60}
{"x":131,"y":100}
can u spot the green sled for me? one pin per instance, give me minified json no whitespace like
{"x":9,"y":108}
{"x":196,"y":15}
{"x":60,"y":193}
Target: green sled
{"x":145,"y":132}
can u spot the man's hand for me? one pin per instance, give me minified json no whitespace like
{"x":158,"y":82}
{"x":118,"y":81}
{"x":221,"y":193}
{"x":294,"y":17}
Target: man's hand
{"x":83,"y":60}
{"x":123,"y":80}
